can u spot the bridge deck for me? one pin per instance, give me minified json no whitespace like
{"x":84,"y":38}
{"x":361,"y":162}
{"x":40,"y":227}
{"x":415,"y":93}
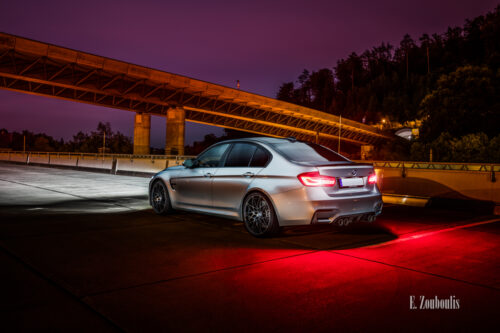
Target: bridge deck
{"x":44,"y":69}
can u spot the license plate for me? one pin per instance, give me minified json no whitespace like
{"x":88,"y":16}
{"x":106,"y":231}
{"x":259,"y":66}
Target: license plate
{"x":351,"y":182}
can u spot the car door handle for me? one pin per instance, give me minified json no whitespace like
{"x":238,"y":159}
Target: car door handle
{"x":208,"y":175}
{"x":248,"y":174}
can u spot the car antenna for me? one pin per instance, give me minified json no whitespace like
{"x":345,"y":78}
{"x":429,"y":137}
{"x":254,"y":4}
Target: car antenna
{"x":291,"y":139}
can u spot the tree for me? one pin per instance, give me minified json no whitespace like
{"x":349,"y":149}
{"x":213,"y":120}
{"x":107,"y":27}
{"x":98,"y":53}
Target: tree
{"x":470,"y":148}
{"x":286,"y":92}
{"x":42,"y":144}
{"x":405,"y":54}
{"x":322,"y":89}
{"x":116,"y":143}
{"x":465,"y":101}
{"x":384,"y":82}
{"x":449,"y":80}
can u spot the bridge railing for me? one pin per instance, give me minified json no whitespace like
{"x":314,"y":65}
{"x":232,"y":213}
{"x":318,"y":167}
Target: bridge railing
{"x":438,"y":165}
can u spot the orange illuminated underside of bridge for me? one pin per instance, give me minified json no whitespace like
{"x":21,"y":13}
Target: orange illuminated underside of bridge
{"x":43,"y":69}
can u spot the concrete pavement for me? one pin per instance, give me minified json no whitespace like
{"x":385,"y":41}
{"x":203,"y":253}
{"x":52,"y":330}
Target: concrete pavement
{"x":82,"y":251}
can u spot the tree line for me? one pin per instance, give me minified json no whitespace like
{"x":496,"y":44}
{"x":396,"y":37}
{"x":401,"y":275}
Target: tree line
{"x":115,"y":142}
{"x":449,"y":83}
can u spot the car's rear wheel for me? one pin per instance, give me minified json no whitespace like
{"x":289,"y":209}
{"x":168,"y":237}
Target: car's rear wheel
{"x":159,"y":199}
{"x":259,"y":216}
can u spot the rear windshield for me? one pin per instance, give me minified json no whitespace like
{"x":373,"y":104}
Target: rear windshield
{"x":308,"y":153}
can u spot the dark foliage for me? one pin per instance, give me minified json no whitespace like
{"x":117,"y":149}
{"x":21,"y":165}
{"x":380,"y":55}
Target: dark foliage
{"x":450,"y":81}
{"x":116,"y":142}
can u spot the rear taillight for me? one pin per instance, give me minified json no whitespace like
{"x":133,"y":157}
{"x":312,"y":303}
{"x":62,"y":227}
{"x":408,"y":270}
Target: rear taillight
{"x":372,"y":179}
{"x":315,"y":179}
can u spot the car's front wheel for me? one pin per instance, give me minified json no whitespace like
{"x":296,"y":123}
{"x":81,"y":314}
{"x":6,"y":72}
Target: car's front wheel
{"x":259,"y":216}
{"x":159,"y":198}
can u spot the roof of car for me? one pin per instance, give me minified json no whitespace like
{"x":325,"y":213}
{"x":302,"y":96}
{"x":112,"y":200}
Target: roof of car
{"x":263,"y":139}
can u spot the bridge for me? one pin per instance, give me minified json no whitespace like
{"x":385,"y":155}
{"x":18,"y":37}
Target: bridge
{"x":48,"y":70}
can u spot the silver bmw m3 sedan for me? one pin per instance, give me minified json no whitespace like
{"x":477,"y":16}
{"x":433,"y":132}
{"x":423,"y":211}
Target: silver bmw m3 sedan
{"x":270,"y":183}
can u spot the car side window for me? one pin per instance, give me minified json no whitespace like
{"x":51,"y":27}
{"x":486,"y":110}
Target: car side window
{"x":240,"y":155}
{"x":260,"y":158}
{"x":212,"y":157}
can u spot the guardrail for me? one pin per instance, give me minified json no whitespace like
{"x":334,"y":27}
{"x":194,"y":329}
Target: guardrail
{"x":438,"y":165}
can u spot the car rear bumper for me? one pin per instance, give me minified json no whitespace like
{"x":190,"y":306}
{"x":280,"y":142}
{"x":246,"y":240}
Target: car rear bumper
{"x":296,"y":209}
{"x":329,"y":216}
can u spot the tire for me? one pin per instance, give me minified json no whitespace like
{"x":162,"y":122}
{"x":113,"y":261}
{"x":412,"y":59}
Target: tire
{"x":259,"y":216}
{"x":159,"y":198}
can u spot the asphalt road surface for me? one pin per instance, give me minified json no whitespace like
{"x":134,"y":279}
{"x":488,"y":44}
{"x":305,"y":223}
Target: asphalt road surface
{"x":83,"y":251}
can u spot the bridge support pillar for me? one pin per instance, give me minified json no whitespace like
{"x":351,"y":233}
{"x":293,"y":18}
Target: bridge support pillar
{"x":366,"y":152}
{"x":174,"y":144}
{"x":142,"y":129}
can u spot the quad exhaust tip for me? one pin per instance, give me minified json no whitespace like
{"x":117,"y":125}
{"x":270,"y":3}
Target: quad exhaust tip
{"x":346,"y":220}
{"x":371,"y":218}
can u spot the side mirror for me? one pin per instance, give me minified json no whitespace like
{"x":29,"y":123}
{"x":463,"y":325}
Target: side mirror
{"x":191,"y":163}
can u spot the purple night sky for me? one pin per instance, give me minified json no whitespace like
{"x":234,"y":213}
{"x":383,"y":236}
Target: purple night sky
{"x":260,"y":43}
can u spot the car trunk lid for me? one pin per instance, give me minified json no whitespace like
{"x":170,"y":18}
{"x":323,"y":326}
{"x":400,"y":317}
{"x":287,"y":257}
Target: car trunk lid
{"x":351,"y":178}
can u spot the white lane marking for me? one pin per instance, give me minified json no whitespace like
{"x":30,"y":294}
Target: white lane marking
{"x":430,"y":233}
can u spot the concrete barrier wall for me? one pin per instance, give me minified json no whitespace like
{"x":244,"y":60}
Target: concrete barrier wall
{"x":62,"y":159}
{"x":113,"y":163}
{"x":42,"y":158}
{"x":453,"y":184}
{"x":15,"y":157}
{"x":141,"y":164}
{"x":175,"y":162}
{"x":95,"y":162}
{"x":145,"y":165}
{"x":19,"y":157}
{"x":4,"y":156}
